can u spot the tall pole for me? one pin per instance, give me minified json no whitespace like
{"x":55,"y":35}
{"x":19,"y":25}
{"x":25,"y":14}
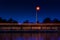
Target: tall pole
{"x":37,"y":9}
{"x":36,"y":17}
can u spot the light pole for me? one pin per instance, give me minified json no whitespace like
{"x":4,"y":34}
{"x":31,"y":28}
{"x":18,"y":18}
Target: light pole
{"x":37,"y":9}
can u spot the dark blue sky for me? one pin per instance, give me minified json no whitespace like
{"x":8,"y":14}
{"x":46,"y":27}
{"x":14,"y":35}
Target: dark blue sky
{"x":22,"y":10}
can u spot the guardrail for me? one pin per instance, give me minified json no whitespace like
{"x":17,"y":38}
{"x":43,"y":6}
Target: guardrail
{"x":28,"y":26}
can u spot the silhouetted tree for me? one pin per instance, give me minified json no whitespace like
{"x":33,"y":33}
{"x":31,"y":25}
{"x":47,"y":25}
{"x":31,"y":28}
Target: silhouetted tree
{"x":1,"y":19}
{"x":27,"y":21}
{"x":4,"y":21}
{"x":47,"y":20}
{"x":56,"y":21}
{"x":12,"y":21}
{"x":15,"y":21}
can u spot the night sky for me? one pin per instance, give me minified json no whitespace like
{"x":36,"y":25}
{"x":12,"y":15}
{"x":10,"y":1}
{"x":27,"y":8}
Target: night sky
{"x":22,"y":10}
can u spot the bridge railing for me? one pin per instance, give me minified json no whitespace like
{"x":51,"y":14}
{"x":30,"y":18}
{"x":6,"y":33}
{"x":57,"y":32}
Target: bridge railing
{"x":28,"y":26}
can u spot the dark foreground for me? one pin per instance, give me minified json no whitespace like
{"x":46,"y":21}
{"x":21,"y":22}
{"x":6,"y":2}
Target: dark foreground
{"x":29,"y":35}
{"x":30,"y":31}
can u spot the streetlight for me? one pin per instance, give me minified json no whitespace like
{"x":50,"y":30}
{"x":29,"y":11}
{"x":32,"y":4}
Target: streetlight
{"x":37,"y":9}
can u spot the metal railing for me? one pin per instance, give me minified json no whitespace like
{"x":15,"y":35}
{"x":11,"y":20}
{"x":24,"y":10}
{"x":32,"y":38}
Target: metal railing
{"x":28,"y":26}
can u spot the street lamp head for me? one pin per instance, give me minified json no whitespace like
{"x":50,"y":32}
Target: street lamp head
{"x":37,"y":8}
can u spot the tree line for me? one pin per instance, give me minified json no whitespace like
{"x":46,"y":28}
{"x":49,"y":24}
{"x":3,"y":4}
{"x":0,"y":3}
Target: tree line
{"x":7,"y":21}
{"x":46,"y":20}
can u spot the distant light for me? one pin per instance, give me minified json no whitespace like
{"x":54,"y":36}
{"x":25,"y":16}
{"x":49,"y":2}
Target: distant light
{"x":37,"y":8}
